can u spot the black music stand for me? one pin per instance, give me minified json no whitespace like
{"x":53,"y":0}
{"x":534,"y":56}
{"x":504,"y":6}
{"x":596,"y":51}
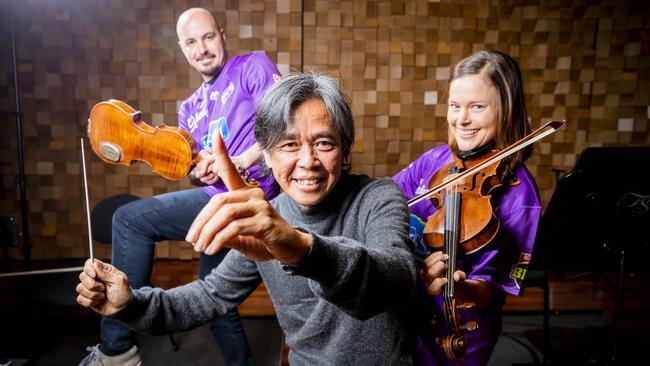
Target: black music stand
{"x":598,"y":215}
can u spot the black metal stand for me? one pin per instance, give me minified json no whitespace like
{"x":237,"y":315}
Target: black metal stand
{"x":593,"y":220}
{"x":21,"y":181}
{"x":546,"y":327}
{"x":618,"y":309}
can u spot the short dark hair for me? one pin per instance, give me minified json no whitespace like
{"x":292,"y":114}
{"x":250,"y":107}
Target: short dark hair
{"x":279,"y":101}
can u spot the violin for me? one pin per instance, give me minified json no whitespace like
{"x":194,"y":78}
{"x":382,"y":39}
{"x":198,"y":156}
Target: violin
{"x":119,"y":136}
{"x":473,"y":196}
{"x":463,"y":192}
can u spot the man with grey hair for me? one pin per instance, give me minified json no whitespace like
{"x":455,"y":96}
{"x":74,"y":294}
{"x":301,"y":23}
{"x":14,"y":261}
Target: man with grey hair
{"x":332,"y":249}
{"x":224,"y":104}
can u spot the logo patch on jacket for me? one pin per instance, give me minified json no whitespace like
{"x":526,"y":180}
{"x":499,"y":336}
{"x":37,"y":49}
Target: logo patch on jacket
{"x":519,"y":270}
{"x":219,"y":125}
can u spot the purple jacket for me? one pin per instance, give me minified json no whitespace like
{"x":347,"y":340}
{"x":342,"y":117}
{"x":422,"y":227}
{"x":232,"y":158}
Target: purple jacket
{"x":503,"y":263}
{"x":228,"y":104}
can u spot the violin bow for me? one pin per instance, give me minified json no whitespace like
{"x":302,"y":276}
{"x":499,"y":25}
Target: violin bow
{"x":90,"y":233}
{"x":547,"y":129}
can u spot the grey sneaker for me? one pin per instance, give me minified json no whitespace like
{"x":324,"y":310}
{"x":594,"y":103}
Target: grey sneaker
{"x":98,"y":358}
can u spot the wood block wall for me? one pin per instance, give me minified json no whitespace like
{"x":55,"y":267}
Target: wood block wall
{"x":584,"y":61}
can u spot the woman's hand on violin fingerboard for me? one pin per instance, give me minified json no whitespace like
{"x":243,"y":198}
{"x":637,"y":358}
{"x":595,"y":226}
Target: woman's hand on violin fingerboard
{"x":432,"y":273}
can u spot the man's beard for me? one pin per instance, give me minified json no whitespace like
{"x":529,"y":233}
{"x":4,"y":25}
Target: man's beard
{"x":212,"y":71}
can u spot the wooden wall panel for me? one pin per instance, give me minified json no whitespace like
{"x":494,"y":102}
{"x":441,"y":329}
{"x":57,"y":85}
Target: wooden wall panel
{"x":583,"y":61}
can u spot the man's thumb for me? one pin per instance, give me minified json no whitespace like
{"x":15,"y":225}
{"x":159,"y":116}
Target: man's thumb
{"x":225,"y":167}
{"x":102,"y":271}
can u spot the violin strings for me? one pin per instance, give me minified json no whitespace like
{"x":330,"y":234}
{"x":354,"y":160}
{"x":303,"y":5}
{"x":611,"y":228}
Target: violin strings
{"x":454,"y":239}
{"x":445,"y":246}
{"x":90,"y":234}
{"x":451,"y":234}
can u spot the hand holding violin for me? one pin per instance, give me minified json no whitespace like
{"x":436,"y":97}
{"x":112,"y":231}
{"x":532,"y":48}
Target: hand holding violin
{"x":244,"y":220}
{"x":208,"y":173}
{"x":103,"y":288}
{"x":433,"y":273}
{"x":203,"y":170}
{"x":477,"y":292}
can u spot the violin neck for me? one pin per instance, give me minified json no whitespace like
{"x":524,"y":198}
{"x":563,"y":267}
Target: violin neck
{"x":451,"y":239}
{"x":450,"y":247}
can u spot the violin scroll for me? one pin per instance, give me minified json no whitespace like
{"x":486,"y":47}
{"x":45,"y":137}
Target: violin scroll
{"x":454,"y":344}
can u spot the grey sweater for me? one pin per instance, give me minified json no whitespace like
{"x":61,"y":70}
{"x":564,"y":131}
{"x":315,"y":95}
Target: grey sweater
{"x":347,"y":303}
